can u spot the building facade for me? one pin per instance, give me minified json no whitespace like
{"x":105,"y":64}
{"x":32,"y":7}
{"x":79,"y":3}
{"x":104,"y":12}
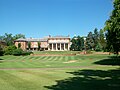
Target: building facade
{"x":51,"y":43}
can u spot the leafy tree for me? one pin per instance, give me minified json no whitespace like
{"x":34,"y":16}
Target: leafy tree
{"x":90,"y":41}
{"x":9,"y":50}
{"x":1,"y":51}
{"x":77,"y":43}
{"x":102,"y":40}
{"x":1,"y":38}
{"x":17,"y":36}
{"x":112,"y":28}
{"x":8,"y":39}
{"x":19,"y":45}
{"x":39,"y":46}
{"x":29,"y":45}
{"x":96,"y":38}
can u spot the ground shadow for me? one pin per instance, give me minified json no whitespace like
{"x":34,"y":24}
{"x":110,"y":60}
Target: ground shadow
{"x":113,"y":60}
{"x":89,"y":80}
{"x":1,"y":60}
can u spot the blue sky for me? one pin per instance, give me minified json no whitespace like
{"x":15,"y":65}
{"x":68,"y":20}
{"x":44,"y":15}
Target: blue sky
{"x":39,"y":18}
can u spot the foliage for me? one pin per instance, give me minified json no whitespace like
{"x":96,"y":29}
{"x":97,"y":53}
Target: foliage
{"x":77,"y":43}
{"x":8,"y":39}
{"x":19,"y":45}
{"x":90,"y":41}
{"x":29,"y":45}
{"x":17,"y":36}
{"x":9,"y":50}
{"x":88,"y":52}
{"x":1,"y":51}
{"x":102,"y":40}
{"x":112,"y":29}
{"x":39,"y":46}
{"x":95,"y":41}
{"x":17,"y":52}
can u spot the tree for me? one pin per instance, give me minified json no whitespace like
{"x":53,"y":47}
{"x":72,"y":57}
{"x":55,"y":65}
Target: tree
{"x":19,"y":45}
{"x":17,"y":36}
{"x":10,"y":49}
{"x":39,"y":46}
{"x":77,"y":43}
{"x":96,"y":39}
{"x":112,"y":29}
{"x":29,"y":45}
{"x":8,"y":39}
{"x":1,"y":51}
{"x":102,"y":39}
{"x":89,"y":41}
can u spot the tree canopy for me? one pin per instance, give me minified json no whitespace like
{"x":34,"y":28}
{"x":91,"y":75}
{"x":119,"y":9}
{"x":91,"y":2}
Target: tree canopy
{"x":112,"y":29}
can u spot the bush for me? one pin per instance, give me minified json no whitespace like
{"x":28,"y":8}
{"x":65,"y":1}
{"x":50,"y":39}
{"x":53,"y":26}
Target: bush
{"x":88,"y":52}
{"x":26,"y":53}
{"x":9,"y":50}
{"x":1,"y":53}
{"x":17,"y":52}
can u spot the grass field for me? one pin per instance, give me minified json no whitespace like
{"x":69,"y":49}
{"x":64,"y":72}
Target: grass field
{"x":80,"y":72}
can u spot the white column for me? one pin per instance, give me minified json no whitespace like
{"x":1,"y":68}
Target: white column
{"x":64,"y":46}
{"x":60,"y":46}
{"x":52,"y":46}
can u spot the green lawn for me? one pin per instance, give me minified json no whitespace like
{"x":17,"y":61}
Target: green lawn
{"x":80,"y":72}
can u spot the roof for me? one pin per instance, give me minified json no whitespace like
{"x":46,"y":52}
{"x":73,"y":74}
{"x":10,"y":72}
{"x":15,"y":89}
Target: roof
{"x":59,"y":36}
{"x":32,"y":39}
{"x":41,"y":39}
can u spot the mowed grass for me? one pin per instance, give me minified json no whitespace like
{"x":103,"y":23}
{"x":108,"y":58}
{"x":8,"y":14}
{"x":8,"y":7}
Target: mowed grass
{"x":58,"y":73}
{"x":48,"y":61}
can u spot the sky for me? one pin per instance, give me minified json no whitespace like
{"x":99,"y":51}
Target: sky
{"x":39,"y":18}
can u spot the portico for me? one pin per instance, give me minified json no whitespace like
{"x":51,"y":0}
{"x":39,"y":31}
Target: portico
{"x":59,"y":46}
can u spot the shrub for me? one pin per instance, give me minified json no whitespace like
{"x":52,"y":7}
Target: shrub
{"x":17,"y":52}
{"x":9,"y":50}
{"x":88,"y":52}
{"x":1,"y":53}
{"x":26,"y":53}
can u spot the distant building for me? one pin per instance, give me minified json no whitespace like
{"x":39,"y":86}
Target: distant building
{"x":51,"y":43}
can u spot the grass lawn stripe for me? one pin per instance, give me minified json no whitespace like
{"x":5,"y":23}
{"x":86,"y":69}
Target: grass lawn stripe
{"x":45,"y":58}
{"x":18,"y":82}
{"x":48,"y":58}
{"x":51,"y":58}
{"x":55,"y":58}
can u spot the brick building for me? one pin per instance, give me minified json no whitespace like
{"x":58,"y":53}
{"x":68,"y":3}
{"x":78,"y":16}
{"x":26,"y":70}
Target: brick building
{"x":51,"y":43}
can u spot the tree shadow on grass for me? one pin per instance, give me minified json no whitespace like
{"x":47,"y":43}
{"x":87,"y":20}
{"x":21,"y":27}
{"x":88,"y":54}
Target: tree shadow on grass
{"x":89,"y":80}
{"x":1,"y":60}
{"x":113,"y":60}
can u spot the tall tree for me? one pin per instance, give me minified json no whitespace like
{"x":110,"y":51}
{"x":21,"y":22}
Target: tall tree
{"x":29,"y":45}
{"x":17,"y":36}
{"x":8,"y":39}
{"x":77,"y":43}
{"x":113,"y":28}
{"x":39,"y":45}
{"x":102,"y":39}
{"x":89,"y":41}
